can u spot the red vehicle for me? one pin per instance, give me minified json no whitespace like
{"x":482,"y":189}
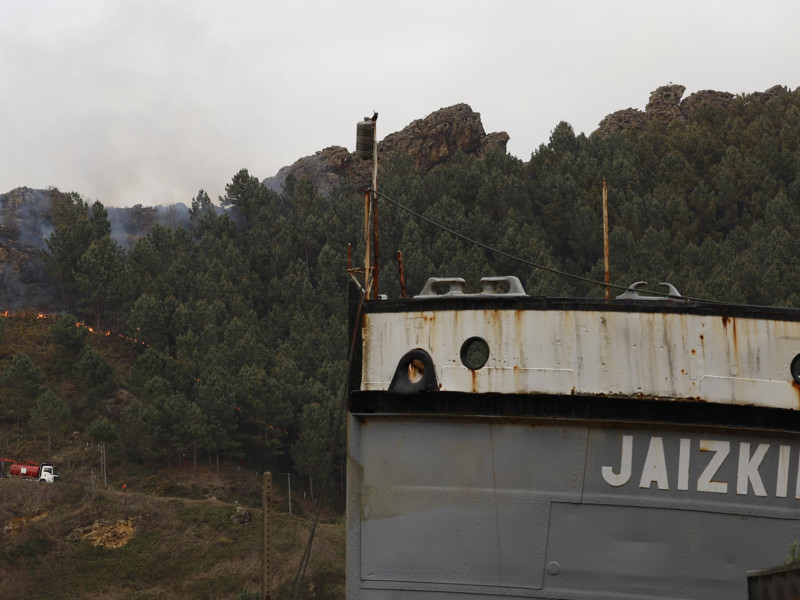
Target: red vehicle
{"x":30,"y":470}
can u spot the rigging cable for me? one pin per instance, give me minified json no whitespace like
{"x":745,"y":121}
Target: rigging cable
{"x":526,"y":261}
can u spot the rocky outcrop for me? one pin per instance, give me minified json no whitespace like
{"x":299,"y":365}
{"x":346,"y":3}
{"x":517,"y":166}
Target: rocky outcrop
{"x":430,"y":141}
{"x":666,"y":105}
{"x":694,"y":101}
{"x":621,"y":120}
{"x":437,"y":137}
{"x":324,"y":168}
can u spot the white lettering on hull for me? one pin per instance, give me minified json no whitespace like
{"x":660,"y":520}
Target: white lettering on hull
{"x":751,"y":466}
{"x":748,"y":469}
{"x":655,"y":466}
{"x":706,"y":483}
{"x":683,"y":464}
{"x":782,"y":485}
{"x":626,"y":463}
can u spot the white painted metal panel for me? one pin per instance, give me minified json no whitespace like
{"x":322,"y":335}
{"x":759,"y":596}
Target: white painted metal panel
{"x":593,"y":352}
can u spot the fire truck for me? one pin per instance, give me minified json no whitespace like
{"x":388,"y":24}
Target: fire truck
{"x":31,"y":470}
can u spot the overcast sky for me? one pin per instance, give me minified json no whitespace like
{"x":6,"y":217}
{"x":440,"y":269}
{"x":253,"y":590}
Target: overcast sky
{"x":149,"y":101}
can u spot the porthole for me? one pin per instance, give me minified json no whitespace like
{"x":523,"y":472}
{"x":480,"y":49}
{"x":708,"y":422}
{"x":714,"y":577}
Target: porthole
{"x":795,"y":369}
{"x":474,"y":353}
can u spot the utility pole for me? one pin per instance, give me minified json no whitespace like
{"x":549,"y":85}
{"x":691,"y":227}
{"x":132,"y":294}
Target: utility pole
{"x":266,"y":540}
{"x":605,"y":240}
{"x":367,"y":148}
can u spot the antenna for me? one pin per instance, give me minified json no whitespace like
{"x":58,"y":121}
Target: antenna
{"x":605,"y":240}
{"x":367,"y":148}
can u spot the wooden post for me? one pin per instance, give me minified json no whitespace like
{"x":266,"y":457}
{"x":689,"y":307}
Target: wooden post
{"x":367,"y":242}
{"x":266,"y":540}
{"x":605,"y":240}
{"x":374,"y":197}
{"x":402,"y":275}
{"x":375,"y":258}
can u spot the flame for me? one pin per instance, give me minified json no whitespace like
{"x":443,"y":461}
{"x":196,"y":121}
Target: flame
{"x":24,"y":314}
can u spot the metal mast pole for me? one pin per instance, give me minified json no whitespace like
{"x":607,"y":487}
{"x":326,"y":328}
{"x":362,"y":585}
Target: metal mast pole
{"x":366,"y":148}
{"x":266,"y":539}
{"x":605,"y":240}
{"x":375,"y":207}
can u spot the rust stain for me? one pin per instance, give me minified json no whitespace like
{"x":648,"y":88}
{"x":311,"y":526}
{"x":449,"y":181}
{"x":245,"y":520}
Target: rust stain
{"x":732,"y":322}
{"x":693,"y":350}
{"x":796,"y":387}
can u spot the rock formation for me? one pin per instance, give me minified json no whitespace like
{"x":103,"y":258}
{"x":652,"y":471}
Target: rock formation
{"x":665,"y":105}
{"x":431,"y":141}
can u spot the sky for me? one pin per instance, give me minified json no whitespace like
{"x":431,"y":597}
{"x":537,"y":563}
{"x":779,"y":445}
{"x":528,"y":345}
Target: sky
{"x":147,"y":102}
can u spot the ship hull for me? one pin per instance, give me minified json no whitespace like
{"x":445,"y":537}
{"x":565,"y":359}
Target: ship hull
{"x":600,"y":450}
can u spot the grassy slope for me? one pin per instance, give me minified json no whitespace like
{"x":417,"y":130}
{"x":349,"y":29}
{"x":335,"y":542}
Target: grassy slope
{"x":182,"y":547}
{"x":185,"y":543}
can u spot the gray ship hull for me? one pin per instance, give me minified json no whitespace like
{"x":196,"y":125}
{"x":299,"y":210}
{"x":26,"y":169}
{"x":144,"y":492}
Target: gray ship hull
{"x":499,"y":507}
{"x":603,"y":450}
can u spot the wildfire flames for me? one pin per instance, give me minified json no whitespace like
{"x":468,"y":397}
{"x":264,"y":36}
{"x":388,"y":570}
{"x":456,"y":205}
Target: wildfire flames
{"x":25,"y":315}
{"x":90,"y":329}
{"x":107,"y":333}
{"x":40,"y":315}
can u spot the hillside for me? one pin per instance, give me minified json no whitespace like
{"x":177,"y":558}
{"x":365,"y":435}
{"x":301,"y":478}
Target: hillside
{"x":194,"y":533}
{"x":224,"y":341}
{"x":175,"y":533}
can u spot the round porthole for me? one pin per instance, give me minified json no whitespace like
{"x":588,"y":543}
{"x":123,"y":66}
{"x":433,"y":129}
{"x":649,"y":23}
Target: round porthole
{"x":474,"y":353}
{"x":795,"y":369}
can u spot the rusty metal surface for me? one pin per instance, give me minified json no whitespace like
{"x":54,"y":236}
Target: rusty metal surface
{"x":402,"y":274}
{"x":668,"y":355}
{"x":620,"y":449}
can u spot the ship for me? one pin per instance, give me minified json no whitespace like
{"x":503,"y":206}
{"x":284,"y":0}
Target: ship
{"x":506,"y":445}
